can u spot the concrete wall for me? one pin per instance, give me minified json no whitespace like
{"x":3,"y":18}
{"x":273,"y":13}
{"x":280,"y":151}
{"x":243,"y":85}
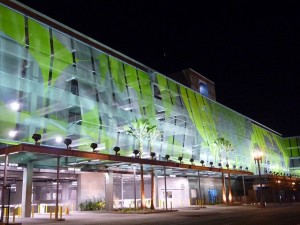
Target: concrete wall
{"x":178,"y":187}
{"x":90,"y":186}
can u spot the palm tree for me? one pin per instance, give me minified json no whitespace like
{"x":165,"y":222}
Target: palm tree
{"x":153,"y":134}
{"x":224,"y":145}
{"x":140,"y":130}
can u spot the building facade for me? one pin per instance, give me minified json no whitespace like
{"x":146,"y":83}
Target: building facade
{"x":59,"y":83}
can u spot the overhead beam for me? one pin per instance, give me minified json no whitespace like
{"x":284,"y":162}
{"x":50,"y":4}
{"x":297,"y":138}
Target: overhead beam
{"x":53,"y":151}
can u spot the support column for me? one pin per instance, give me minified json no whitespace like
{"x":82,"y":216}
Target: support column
{"x":166,"y":195}
{"x":122,"y":191}
{"x":229,"y":190}
{"x":152,"y":188}
{"x":57,"y":188}
{"x":223,"y":189}
{"x":109,"y":198}
{"x":156,"y":192}
{"x":199,"y":197}
{"x":27,"y":190}
{"x":4,"y":186}
{"x":143,"y":206}
{"x":244,"y":196}
{"x":134,"y":186}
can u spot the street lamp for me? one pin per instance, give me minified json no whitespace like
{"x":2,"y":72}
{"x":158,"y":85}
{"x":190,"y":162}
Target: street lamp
{"x":258,"y":158}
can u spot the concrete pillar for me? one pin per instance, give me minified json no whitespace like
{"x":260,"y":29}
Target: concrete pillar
{"x":90,"y":187}
{"x":156,"y":191}
{"x":57,"y":188}
{"x":166,"y":195}
{"x":109,"y":198}
{"x":122,"y":190}
{"x":27,"y":190}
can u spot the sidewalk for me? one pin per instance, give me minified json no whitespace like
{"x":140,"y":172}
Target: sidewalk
{"x":99,"y":217}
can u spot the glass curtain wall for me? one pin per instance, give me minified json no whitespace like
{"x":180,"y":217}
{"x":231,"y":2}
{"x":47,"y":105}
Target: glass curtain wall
{"x":64,"y":87}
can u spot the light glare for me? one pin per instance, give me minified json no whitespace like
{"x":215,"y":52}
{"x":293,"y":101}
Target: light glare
{"x":12,"y":133}
{"x":15,"y":106}
{"x":58,"y":139}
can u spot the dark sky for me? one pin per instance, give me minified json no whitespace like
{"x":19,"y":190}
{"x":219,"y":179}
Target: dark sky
{"x":250,"y":49}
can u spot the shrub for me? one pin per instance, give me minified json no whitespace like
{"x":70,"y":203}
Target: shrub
{"x":92,"y":205}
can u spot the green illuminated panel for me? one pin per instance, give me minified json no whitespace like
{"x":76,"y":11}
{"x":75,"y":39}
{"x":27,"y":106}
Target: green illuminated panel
{"x":12,"y":24}
{"x":116,"y":68}
{"x":61,"y":60}
{"x":39,"y":46}
{"x":103,"y":67}
{"x":165,"y":93}
{"x":147,"y":94}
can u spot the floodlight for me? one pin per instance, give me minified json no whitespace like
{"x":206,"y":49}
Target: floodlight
{"x":36,"y":138}
{"x":67,"y":142}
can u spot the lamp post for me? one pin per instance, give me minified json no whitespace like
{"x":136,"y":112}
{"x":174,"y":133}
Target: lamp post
{"x":258,"y":158}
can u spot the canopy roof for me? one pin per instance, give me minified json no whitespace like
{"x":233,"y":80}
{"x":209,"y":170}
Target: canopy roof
{"x":45,"y":157}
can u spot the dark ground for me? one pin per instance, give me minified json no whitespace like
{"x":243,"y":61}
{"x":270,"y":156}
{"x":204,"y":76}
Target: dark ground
{"x":212,"y":215}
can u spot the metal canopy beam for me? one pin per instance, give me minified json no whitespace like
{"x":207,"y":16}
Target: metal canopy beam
{"x":53,"y":151}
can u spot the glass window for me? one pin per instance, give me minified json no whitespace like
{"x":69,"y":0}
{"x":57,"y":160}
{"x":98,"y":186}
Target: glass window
{"x":203,"y":89}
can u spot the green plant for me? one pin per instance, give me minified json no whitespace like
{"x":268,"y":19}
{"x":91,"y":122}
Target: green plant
{"x":224,"y":145}
{"x":92,"y":205}
{"x":142,"y":129}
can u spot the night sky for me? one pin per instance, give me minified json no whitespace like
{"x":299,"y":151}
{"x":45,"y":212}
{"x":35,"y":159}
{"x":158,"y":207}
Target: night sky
{"x":250,"y":49}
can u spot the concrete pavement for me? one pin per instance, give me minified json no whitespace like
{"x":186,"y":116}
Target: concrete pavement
{"x":217,"y":214}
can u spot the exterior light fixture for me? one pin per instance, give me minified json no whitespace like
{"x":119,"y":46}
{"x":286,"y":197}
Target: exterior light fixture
{"x":167,"y":157}
{"x":180,"y":159}
{"x":257,"y":154}
{"x":36,"y":138}
{"x":152,"y":154}
{"x":67,"y":142}
{"x":136,"y":152}
{"x":202,"y":162}
{"x":192,"y":160}
{"x":116,"y":149}
{"x":94,"y":146}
